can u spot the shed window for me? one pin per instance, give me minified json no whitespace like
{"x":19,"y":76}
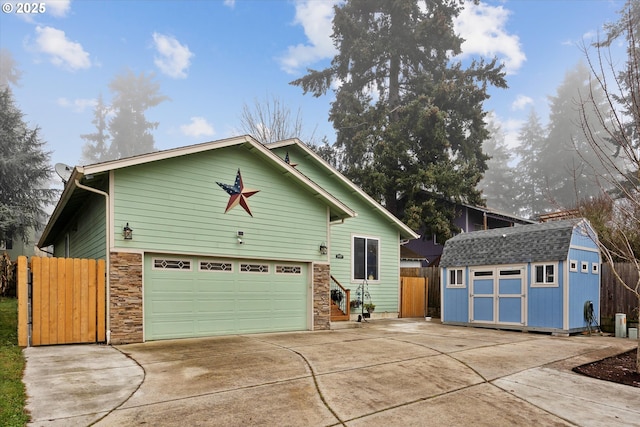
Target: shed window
{"x":584,"y":267}
{"x":544,"y":275}
{"x":573,"y":265}
{"x":366,"y":258}
{"x":595,"y":268}
{"x":456,"y":278}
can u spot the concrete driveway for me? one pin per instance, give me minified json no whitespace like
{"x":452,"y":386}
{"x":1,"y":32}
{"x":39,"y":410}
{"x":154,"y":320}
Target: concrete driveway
{"x":388,"y":372}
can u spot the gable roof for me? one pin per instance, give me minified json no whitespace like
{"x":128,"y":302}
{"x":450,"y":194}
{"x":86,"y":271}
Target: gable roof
{"x":82,"y":177}
{"x":548,"y":241}
{"x":405,"y":231}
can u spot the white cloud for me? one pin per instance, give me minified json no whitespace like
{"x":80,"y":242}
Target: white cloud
{"x":62,"y":51}
{"x":483,"y":28}
{"x":58,"y":8}
{"x":521,"y":102}
{"x":174,"y":57}
{"x":315,"y":17}
{"x":197,"y":128}
{"x":78,"y":105}
{"x":230,"y":3}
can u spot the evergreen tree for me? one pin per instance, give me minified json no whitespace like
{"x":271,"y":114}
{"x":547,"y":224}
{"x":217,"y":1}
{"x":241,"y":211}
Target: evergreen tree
{"x":97,"y":145}
{"x":129,"y":129}
{"x":567,"y":162}
{"x":498,"y":183}
{"x":409,"y":120}
{"x":24,"y":173}
{"x":128,"y":132}
{"x":531,"y":185}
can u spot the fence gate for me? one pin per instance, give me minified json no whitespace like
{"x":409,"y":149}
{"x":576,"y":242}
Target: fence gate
{"x":61,"y":301}
{"x":413,"y":296}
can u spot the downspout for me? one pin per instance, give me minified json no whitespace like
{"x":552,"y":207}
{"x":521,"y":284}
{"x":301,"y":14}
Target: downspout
{"x":107,"y":253}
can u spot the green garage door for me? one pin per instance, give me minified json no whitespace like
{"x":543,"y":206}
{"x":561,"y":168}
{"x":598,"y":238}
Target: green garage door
{"x":194,"y":297}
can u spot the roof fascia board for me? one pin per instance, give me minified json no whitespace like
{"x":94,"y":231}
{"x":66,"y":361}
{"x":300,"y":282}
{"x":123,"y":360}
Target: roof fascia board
{"x":80,"y":171}
{"x":395,"y":221}
{"x":164,"y":154}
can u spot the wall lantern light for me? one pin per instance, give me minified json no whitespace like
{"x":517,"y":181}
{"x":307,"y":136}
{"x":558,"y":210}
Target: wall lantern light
{"x":127,"y":232}
{"x":323,"y":248}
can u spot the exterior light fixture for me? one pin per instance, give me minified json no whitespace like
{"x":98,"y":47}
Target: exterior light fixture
{"x":323,"y":248}
{"x":127,"y":232}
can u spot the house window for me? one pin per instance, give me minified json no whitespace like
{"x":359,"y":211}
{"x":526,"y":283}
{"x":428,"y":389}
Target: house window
{"x":595,"y":268}
{"x":584,"y":267}
{"x":544,"y":275}
{"x":573,"y":265}
{"x":456,"y":278}
{"x":6,"y":245}
{"x":366,"y":258}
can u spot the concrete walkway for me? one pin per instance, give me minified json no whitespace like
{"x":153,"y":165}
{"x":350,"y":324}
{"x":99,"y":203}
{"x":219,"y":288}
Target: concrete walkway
{"x":389,"y":372}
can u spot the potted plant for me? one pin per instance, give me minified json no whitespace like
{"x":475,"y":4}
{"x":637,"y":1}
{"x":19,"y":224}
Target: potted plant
{"x":369,"y":307}
{"x":354,"y":303}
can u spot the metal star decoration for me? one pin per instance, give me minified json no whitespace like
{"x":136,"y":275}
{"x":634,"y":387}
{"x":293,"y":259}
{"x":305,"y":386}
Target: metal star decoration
{"x":238,"y":193}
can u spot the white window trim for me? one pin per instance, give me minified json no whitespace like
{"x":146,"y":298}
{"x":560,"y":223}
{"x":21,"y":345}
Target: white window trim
{"x":204,"y":270}
{"x":584,"y":267}
{"x":242,"y":271}
{"x":595,"y":268}
{"x":573,"y":265}
{"x":353,"y":260}
{"x":288,"y":273}
{"x":456,"y":285}
{"x":553,"y":284}
{"x":154,"y":259}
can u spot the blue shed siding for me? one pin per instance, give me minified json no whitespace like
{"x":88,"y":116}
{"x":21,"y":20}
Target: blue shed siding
{"x":583,"y":286}
{"x":544,"y":304}
{"x":455,"y":300}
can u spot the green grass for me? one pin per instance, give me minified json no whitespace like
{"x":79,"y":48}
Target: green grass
{"x":12,"y":391}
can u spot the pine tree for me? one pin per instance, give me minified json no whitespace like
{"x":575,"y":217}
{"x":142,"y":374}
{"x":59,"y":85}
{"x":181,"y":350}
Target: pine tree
{"x":409,"y":120}
{"x":96,"y":148}
{"x":24,"y":173}
{"x":498,"y":182}
{"x":531,"y":198}
{"x":567,"y":162}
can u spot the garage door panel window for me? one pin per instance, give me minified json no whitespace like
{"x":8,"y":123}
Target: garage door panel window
{"x":171,"y":264}
{"x":219,"y":266}
{"x":288,"y":269}
{"x":366,"y":258}
{"x":254,"y":268}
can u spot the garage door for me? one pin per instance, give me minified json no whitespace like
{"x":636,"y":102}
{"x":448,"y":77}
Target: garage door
{"x":194,"y":296}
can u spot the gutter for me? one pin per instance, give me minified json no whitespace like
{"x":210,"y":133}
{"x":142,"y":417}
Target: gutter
{"x":107,"y":254}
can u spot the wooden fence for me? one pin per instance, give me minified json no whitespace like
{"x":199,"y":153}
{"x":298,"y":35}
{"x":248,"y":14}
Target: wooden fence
{"x":432,"y":274}
{"x":61,"y":301}
{"x":614,"y":298}
{"x":413,"y":295}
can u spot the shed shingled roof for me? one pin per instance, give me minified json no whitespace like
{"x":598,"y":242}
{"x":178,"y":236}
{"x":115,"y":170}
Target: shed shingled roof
{"x":548,"y":241}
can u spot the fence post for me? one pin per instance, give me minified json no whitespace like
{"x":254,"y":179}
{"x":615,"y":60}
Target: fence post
{"x":23,"y":302}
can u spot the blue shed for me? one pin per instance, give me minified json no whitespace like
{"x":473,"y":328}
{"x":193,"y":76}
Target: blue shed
{"x":538,"y":277}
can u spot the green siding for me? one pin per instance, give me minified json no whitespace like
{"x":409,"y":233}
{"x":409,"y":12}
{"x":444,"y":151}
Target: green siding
{"x":175,"y":205}
{"x":86,"y":231}
{"x":385,"y":293}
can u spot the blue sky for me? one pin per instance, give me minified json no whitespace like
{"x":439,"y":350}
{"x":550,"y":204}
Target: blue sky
{"x":212,"y":57}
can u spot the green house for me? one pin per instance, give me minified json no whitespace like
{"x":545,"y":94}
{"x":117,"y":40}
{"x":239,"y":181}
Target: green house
{"x":225,"y":237}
